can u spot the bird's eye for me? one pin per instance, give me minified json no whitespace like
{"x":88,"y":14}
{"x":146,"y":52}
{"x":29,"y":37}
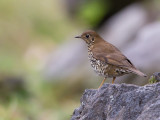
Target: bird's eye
{"x":87,"y":36}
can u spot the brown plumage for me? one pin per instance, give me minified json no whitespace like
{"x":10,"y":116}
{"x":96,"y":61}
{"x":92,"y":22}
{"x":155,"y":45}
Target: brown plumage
{"x":106,"y":59}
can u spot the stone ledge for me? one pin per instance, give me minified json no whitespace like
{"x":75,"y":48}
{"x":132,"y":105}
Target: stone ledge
{"x":120,"y":102}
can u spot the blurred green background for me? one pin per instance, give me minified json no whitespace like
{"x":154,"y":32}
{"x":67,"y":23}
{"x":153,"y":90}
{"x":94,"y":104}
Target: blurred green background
{"x":30,"y":31}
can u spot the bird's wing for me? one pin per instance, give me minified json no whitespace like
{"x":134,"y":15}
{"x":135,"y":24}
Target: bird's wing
{"x":108,"y":53}
{"x":116,"y":59}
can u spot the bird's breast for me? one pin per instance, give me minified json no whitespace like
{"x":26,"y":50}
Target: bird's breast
{"x":98,"y":66}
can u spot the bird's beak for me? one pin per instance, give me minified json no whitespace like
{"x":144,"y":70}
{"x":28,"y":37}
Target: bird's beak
{"x":78,"y":36}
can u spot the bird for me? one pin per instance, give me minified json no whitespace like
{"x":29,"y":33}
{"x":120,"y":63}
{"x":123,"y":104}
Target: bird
{"x":106,"y":59}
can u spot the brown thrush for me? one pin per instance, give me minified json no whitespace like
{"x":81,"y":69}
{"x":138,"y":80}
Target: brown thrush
{"x":106,"y":59}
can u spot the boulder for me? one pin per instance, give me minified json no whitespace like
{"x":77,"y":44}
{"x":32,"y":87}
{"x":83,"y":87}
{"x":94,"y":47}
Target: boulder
{"x":120,"y":102}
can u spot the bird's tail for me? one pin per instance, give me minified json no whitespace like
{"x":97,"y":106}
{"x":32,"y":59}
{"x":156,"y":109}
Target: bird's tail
{"x":135,"y":71}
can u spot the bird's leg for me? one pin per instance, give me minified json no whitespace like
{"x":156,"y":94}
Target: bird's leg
{"x":102,"y":83}
{"x":113,"y":80}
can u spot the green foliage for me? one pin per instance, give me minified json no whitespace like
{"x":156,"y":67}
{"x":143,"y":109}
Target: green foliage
{"x":91,"y":12}
{"x":153,"y":80}
{"x":29,"y":31}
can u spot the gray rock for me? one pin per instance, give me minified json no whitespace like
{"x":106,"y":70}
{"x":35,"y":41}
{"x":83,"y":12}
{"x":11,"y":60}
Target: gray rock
{"x":145,"y":48}
{"x":122,"y":28}
{"x":67,"y":59}
{"x":120,"y":102}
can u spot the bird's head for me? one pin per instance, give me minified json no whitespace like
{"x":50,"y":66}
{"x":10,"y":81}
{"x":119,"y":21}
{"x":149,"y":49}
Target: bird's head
{"x":90,"y":37}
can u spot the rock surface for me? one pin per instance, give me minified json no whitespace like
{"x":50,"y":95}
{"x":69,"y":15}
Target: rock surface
{"x":120,"y":102}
